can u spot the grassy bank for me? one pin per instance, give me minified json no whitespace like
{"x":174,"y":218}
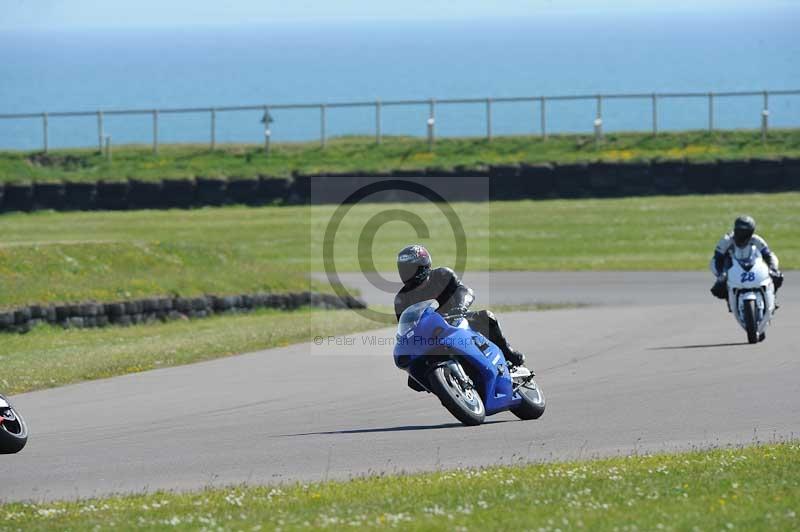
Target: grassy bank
{"x":106,"y":256}
{"x":755,"y":488}
{"x":48,"y":357}
{"x":351,"y":154}
{"x":62,"y":257}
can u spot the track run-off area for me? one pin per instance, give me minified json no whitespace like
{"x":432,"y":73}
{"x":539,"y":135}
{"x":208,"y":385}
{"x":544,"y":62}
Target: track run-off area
{"x":654,"y":363}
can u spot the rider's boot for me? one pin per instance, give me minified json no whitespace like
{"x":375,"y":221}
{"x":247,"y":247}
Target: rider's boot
{"x":762,"y":337}
{"x":485,"y":322}
{"x":514,"y":357}
{"x":777,"y":282}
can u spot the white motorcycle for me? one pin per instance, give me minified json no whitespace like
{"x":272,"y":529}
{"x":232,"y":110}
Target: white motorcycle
{"x":751,"y":294}
{"x":13,"y":430}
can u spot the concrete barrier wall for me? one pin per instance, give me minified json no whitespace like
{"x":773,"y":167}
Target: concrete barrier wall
{"x":507,"y":182}
{"x":92,"y":314}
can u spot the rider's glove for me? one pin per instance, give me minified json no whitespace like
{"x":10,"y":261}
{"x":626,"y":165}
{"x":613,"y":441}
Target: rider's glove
{"x":453,"y":314}
{"x":720,"y":288}
{"x":458,"y":310}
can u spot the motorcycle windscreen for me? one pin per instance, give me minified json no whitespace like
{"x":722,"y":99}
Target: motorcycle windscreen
{"x":747,"y":257}
{"x":410,"y":316}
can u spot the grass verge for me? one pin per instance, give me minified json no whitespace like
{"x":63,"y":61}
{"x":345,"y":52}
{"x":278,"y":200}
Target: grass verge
{"x":754,"y":488}
{"x":349,"y":154}
{"x":48,"y":257}
{"x":49,"y":356}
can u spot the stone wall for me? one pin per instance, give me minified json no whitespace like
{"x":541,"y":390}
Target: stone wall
{"x":93,"y":314}
{"x":508,"y":182}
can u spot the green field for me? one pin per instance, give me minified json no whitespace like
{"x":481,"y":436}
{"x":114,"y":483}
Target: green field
{"x":50,"y":257}
{"x":351,"y":154}
{"x":754,"y":488}
{"x":106,"y":256}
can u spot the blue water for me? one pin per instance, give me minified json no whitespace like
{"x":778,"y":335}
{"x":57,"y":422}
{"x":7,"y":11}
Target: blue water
{"x":295,"y":63}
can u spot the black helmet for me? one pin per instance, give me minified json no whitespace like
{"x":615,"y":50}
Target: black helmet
{"x":743,"y":229}
{"x":413,"y":263}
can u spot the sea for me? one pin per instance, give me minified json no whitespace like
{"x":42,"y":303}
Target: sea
{"x":296,"y":62}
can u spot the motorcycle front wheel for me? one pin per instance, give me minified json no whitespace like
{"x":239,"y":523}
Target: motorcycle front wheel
{"x":459,"y":399}
{"x":13,"y":430}
{"x":750,"y":322}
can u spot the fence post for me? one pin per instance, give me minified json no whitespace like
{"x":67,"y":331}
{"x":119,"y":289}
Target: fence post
{"x":765,"y":118}
{"x":100,"y":131}
{"x":378,"y":122}
{"x":710,"y":111}
{"x":543,"y":118}
{"x":322,"y":124}
{"x":44,"y":132}
{"x":213,"y":129}
{"x":431,"y":123}
{"x":267,"y":131}
{"x":655,"y":114}
{"x":155,"y":131}
{"x":598,"y":120}
{"x":489,"y":119}
{"x":108,"y":148}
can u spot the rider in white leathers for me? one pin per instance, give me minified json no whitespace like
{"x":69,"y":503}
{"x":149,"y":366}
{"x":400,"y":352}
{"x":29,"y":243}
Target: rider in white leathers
{"x":738,"y":244}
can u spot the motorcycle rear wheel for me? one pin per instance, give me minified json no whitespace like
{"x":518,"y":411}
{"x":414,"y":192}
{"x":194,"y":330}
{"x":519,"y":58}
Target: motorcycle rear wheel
{"x":13,"y":430}
{"x":750,"y":322}
{"x":533,"y":402}
{"x":464,"y":403}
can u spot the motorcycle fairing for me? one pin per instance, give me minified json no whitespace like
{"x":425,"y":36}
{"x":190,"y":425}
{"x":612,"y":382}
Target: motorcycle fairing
{"x":749,"y":279}
{"x":482,"y":360}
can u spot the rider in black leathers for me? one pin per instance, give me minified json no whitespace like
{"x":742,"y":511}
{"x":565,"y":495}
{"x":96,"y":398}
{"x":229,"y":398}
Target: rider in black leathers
{"x":421,"y":283}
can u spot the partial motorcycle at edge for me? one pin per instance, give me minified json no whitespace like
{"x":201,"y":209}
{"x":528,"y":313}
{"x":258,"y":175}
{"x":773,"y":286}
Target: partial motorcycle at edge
{"x":13,"y":429}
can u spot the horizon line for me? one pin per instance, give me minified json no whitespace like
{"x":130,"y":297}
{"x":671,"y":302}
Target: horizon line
{"x":361,"y":19}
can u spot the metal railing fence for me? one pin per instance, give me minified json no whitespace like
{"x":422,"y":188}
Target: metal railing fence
{"x":104,"y":140}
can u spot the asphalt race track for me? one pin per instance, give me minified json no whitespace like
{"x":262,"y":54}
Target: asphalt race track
{"x":657,"y":365}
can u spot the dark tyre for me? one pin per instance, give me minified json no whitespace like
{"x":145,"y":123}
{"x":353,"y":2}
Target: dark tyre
{"x":13,"y":430}
{"x":459,"y":399}
{"x":533,"y":402}
{"x":750,"y":321}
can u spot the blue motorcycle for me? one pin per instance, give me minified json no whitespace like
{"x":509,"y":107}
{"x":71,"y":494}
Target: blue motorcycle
{"x":467,"y":372}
